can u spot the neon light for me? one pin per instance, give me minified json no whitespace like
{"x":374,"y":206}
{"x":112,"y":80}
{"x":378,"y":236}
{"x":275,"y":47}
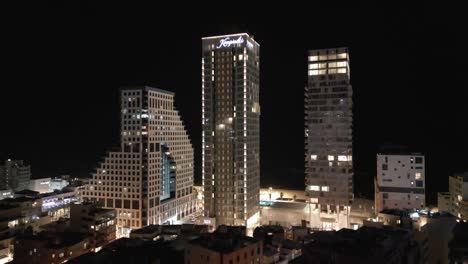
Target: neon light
{"x":227,"y":42}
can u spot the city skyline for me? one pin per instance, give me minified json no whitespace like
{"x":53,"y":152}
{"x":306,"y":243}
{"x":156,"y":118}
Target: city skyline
{"x":396,"y":99}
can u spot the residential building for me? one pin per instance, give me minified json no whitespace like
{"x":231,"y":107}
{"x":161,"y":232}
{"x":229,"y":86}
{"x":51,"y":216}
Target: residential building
{"x":231,"y":129}
{"x":97,"y":222}
{"x":365,"y":245}
{"x":400,"y":181}
{"x":14,"y":174}
{"x":50,"y":247}
{"x":328,"y":138}
{"x":458,"y":188}
{"x":224,"y":248}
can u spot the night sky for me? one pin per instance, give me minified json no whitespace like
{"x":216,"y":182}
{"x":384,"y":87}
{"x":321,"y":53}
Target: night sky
{"x":60,"y":97}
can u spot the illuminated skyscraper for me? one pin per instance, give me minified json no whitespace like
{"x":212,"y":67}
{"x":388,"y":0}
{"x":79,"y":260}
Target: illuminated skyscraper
{"x":231,"y":129}
{"x":149,"y":179}
{"x":328,"y":133}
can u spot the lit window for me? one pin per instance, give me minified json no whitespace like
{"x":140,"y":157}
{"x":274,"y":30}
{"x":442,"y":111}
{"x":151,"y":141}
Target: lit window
{"x":325,"y":188}
{"x":331,"y":157}
{"x":417,"y":176}
{"x":342,"y":56}
{"x":342,"y":70}
{"x":314,"y":188}
{"x":332,"y":71}
{"x":313,"y":157}
{"x":313,"y":66}
{"x":241,"y":57}
{"x":332,"y":64}
{"x":322,"y":65}
{"x":323,"y":57}
{"x":314,"y":200}
{"x":53,"y":255}
{"x":459,"y":197}
{"x":313,"y":58}
{"x":321,"y":72}
{"x":61,"y":255}
{"x":341,"y":64}
{"x":313,"y":72}
{"x":342,"y":158}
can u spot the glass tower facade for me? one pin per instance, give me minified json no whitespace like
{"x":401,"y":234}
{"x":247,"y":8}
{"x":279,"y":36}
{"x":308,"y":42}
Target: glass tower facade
{"x":328,"y":133}
{"x":231,"y":129}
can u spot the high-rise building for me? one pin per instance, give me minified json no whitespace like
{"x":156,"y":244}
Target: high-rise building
{"x":231,"y":129}
{"x":14,"y":174}
{"x":149,"y":180}
{"x":400,"y":182}
{"x":328,"y":138}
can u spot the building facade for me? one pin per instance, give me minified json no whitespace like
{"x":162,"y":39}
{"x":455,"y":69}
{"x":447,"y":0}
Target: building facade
{"x":40,"y":185}
{"x":98,"y":223}
{"x":328,"y":138}
{"x":231,"y":129}
{"x":455,"y":201}
{"x":14,"y":174}
{"x":225,"y":249}
{"x":400,"y":182}
{"x":149,"y":180}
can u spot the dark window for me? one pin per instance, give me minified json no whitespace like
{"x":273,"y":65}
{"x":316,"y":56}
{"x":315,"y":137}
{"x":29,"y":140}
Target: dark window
{"x":135,"y":204}
{"x":385,"y":195}
{"x":419,"y":183}
{"x":419,"y":160}
{"x":384,"y":166}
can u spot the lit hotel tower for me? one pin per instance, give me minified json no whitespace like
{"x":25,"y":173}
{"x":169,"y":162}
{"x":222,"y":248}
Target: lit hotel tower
{"x":231,"y":129}
{"x":328,"y":133}
{"x":149,"y":179}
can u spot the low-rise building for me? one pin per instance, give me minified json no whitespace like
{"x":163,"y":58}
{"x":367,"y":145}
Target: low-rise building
{"x":365,"y":245}
{"x":133,"y":250}
{"x":458,"y":197}
{"x":168,"y":232}
{"x":400,"y":181}
{"x":97,"y":222}
{"x":224,"y":247}
{"x":50,"y":247}
{"x":444,"y":202}
{"x":40,"y":185}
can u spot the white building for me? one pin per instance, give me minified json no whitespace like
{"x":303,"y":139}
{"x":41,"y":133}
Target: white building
{"x":231,"y":129}
{"x":40,"y":185}
{"x":149,"y":180}
{"x":456,"y":200}
{"x":58,"y":183}
{"x":328,"y":138}
{"x":400,"y":182}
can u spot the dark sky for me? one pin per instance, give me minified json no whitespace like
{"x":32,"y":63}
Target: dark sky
{"x":60,"y":101}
